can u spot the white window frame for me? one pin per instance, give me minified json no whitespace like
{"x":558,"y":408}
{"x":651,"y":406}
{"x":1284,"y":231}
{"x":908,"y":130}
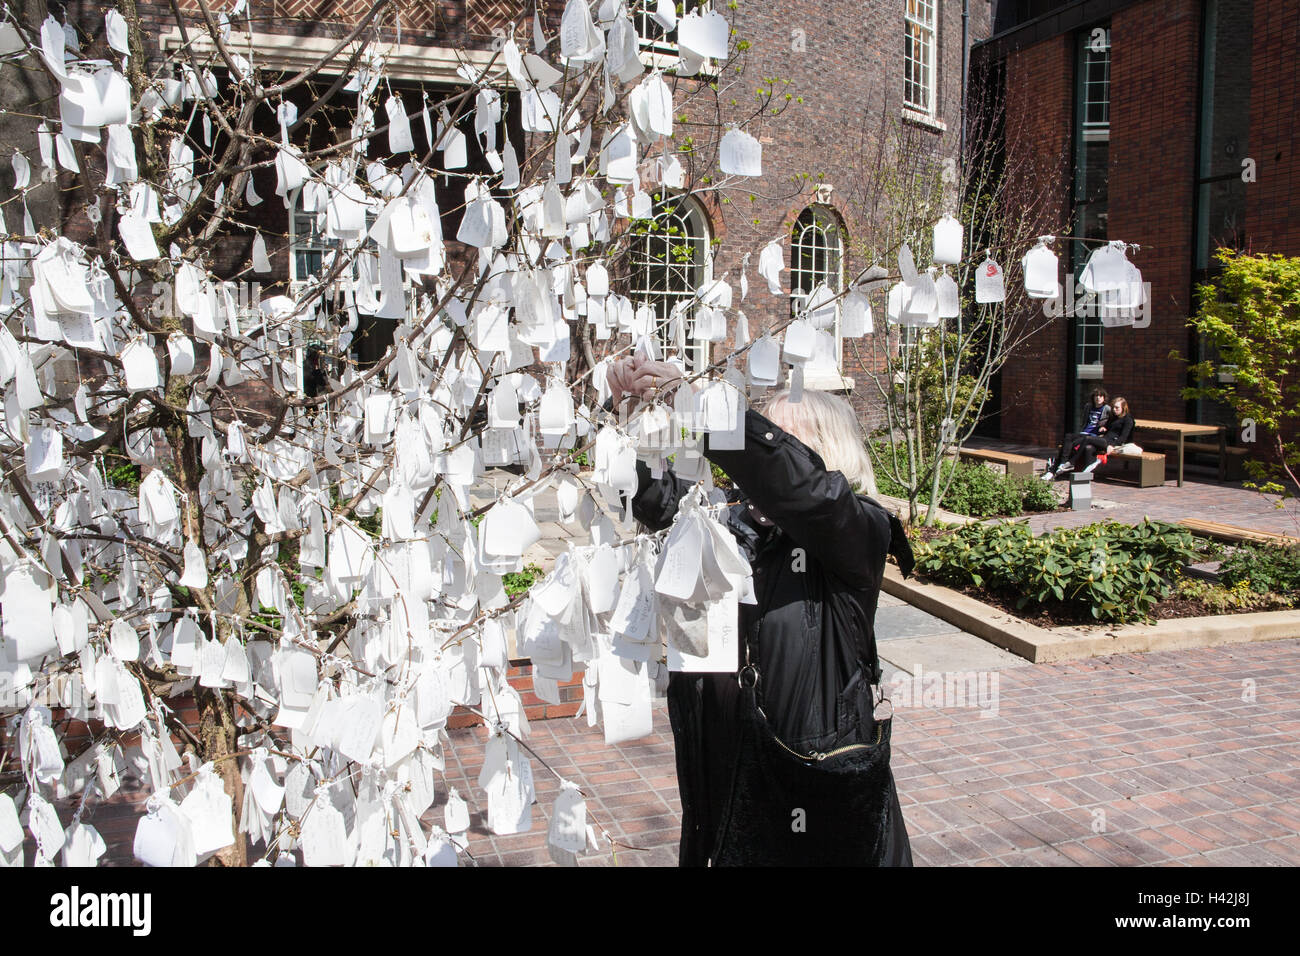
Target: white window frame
{"x":639,"y":291}
{"x":920,"y":20}
{"x":825,"y":223}
{"x":661,"y":54}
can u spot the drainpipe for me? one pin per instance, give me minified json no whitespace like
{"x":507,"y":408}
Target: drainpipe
{"x":965,"y":66}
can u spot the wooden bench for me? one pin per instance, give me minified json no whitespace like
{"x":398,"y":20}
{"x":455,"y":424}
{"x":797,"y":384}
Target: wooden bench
{"x":1014,"y":464}
{"x":1151,"y":467}
{"x":1234,"y":534}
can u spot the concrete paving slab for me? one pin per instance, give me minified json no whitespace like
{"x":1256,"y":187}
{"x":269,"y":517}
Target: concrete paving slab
{"x":901,"y":621}
{"x":956,"y":651}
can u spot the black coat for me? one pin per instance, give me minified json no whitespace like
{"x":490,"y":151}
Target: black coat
{"x":818,"y":553}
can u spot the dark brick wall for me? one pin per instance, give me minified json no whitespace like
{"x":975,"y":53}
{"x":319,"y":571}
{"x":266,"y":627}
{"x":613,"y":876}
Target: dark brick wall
{"x":1153,"y":119}
{"x":1039,"y":111}
{"x":1155,"y":72}
{"x":1273,"y":201}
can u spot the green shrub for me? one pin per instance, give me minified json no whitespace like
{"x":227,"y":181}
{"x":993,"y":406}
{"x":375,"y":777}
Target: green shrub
{"x":123,"y":474}
{"x":517,"y":582}
{"x":1110,"y":571}
{"x":1038,"y":495}
{"x":1225,"y":600}
{"x":973,"y":489}
{"x":982,"y":492}
{"x":1263,"y":568}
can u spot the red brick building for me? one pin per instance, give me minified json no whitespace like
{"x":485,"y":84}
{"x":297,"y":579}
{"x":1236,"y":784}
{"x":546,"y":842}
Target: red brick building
{"x":1178,"y":121}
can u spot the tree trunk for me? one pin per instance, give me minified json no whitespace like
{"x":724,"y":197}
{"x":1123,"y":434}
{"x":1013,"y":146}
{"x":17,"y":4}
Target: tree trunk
{"x":217,"y":736}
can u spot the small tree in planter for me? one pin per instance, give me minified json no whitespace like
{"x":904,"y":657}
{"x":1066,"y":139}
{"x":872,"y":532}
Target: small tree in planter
{"x":1250,"y":319}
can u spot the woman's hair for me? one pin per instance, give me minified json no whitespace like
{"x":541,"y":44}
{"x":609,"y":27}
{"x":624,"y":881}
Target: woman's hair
{"x":1098,"y":392}
{"x":828,"y":425}
{"x":1123,"y":403}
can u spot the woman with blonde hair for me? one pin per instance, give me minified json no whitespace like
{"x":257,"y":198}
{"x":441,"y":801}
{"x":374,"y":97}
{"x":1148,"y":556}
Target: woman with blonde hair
{"x":786,"y":760}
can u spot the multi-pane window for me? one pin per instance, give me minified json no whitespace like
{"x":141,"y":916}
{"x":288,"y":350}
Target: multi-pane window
{"x":816,"y":254}
{"x":310,"y":247}
{"x":651,"y":32}
{"x":1095,"y":78}
{"x":816,"y":258}
{"x":668,"y":257}
{"x":918,"y":55}
{"x":1090,"y":194}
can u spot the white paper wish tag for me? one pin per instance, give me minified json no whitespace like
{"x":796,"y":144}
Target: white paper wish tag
{"x":208,"y":809}
{"x":84,"y":846}
{"x":324,"y":835}
{"x":800,"y":341}
{"x":568,"y":827}
{"x":44,"y":455}
{"x":947,"y":241}
{"x":1041,"y":266}
{"x":140,"y":367}
{"x":162,"y":837}
{"x":456,"y":813}
{"x":181,"y":351}
{"x":11,"y":831}
{"x":855,"y":315}
{"x":740,"y":154}
{"x":28,"y":611}
{"x":508,"y":529}
{"x":723,"y":645}
{"x":679,"y":568}
{"x":704,"y":34}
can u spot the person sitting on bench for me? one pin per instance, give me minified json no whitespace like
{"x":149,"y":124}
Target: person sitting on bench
{"x":1098,"y":416}
{"x":1093,"y":449}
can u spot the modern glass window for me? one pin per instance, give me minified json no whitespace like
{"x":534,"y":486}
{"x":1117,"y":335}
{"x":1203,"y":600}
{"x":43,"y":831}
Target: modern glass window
{"x":919,"y":55}
{"x":1090,"y":196}
{"x":1225,"y":131}
{"x":668,"y":256}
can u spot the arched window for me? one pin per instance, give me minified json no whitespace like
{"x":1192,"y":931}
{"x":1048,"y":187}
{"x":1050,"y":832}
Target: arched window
{"x":668,"y":255}
{"x":816,"y":254}
{"x":817,"y":258}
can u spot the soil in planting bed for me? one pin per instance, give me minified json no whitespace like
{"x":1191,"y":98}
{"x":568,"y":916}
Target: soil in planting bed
{"x":1055,"y":614}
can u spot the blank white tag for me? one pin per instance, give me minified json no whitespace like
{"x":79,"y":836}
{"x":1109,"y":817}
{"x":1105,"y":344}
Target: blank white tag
{"x":11,"y":831}
{"x":140,"y":367}
{"x":196,"y":567}
{"x":740,"y":154}
{"x":208,"y":809}
{"x":28,"y":611}
{"x":181,"y":351}
{"x":261,"y":262}
{"x":399,"y":127}
{"x":800,"y":342}
{"x":602,"y":580}
{"x":455,"y":813}
{"x":509,"y":529}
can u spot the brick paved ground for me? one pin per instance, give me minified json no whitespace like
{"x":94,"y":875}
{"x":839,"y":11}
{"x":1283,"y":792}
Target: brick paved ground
{"x":1158,"y":751}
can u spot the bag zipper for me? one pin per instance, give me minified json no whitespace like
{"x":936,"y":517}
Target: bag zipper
{"x":818,"y":755}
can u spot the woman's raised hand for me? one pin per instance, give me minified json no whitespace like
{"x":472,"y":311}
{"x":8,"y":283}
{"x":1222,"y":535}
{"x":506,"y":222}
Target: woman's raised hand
{"x":652,"y":380}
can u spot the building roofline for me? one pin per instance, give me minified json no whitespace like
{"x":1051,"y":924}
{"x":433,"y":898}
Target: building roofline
{"x":1067,"y":17}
